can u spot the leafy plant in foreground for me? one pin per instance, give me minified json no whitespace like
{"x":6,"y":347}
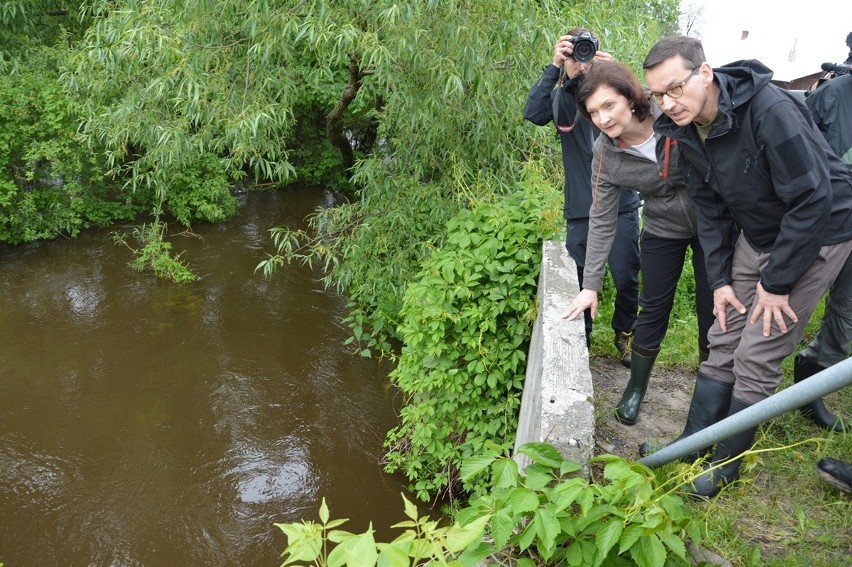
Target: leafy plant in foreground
{"x":546,"y":516}
{"x":551,"y":516}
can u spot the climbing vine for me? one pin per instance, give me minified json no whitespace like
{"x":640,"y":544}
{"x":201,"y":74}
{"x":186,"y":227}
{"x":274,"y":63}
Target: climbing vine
{"x":466,"y":322}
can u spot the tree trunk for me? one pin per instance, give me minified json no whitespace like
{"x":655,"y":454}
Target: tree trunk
{"x":333,"y":121}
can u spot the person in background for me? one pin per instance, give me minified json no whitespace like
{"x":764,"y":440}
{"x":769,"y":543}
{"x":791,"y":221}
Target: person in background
{"x":552,"y":99}
{"x":774,"y":208}
{"x":630,"y":152}
{"x":831,"y":107}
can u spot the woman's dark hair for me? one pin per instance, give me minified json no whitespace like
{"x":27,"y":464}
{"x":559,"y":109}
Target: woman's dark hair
{"x":618,"y":77}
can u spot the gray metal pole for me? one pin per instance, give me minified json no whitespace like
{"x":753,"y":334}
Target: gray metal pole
{"x":829,"y":380}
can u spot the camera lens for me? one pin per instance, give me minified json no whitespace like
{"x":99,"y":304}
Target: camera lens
{"x":584,"y":50}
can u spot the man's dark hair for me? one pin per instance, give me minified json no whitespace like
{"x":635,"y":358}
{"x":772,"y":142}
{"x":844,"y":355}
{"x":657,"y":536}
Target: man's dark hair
{"x":577,"y":31}
{"x":617,"y":76}
{"x":689,"y":48}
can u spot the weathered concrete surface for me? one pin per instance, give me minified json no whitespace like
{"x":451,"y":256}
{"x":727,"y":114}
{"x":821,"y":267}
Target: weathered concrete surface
{"x":557,"y":403}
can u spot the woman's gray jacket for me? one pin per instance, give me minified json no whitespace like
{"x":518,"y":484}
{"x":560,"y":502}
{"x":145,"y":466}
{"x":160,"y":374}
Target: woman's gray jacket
{"x":668,"y":211}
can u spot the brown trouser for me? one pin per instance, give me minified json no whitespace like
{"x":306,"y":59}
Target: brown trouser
{"x":742,"y":355}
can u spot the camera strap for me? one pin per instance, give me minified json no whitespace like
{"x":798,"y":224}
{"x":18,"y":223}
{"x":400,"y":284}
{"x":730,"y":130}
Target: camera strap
{"x":557,"y":103}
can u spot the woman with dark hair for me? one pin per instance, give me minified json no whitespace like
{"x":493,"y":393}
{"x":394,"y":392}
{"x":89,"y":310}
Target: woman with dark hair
{"x":629,"y":153}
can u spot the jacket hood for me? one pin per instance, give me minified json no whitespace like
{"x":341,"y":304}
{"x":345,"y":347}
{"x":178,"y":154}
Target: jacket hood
{"x":740,"y":80}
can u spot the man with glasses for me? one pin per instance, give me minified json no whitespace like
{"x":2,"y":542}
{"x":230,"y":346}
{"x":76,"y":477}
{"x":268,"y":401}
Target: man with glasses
{"x":552,"y":99}
{"x":774,"y":210}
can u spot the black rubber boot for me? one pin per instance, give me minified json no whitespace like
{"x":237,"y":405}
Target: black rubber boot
{"x":815,"y":410}
{"x":642,"y":361}
{"x":837,"y":473}
{"x":711,"y":482}
{"x":623,"y":342}
{"x":711,"y":400}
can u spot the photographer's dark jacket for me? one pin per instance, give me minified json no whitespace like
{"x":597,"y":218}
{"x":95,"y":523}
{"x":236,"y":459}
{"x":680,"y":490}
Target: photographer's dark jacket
{"x":831,"y":107}
{"x":762,"y":172}
{"x":551,"y":102}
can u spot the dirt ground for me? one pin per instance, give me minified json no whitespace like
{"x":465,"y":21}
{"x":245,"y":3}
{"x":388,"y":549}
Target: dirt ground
{"x":663,"y":412}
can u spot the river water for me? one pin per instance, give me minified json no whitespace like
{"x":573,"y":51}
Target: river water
{"x":148,"y":423}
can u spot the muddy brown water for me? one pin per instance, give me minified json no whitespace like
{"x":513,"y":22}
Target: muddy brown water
{"x":146,"y":423}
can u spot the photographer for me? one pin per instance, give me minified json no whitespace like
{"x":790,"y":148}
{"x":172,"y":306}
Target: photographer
{"x":552,"y":99}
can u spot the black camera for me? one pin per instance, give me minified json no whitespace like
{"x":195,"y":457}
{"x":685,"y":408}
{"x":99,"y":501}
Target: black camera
{"x":837,"y":69}
{"x":585,"y":47}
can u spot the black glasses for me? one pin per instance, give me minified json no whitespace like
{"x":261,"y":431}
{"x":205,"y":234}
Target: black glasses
{"x":675,"y":91}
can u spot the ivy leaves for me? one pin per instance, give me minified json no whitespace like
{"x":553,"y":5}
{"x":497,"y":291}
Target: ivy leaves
{"x":466,"y":324}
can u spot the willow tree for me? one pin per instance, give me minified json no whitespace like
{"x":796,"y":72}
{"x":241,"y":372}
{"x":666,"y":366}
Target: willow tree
{"x":213,"y":90}
{"x":449,"y":81}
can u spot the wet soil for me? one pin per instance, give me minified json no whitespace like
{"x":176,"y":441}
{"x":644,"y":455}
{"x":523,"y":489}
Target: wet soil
{"x":663,"y":410}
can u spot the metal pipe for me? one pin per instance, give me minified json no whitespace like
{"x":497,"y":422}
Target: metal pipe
{"x":829,"y":380}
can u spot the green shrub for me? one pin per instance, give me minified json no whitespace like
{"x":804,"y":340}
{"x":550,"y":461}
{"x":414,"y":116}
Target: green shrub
{"x":200,"y":190}
{"x":155,"y":253}
{"x":466,"y":324}
{"x":50,"y":184}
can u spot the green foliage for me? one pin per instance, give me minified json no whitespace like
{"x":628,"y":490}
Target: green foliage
{"x":422,"y":539}
{"x":27,"y":26}
{"x":546,"y":516}
{"x":316,"y":161}
{"x":556,"y":518}
{"x":466,"y":322}
{"x":155,"y":253}
{"x":162,"y":84}
{"x":200,"y":191}
{"x":49,"y":184}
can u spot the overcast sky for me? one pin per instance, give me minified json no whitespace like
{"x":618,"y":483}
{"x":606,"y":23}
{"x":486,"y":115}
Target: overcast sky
{"x":815,"y":29}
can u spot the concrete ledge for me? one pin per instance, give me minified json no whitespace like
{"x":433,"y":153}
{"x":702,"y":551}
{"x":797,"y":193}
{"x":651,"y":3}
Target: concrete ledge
{"x":557,"y":404}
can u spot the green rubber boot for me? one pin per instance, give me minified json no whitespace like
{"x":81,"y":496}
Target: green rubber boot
{"x":641,"y":362}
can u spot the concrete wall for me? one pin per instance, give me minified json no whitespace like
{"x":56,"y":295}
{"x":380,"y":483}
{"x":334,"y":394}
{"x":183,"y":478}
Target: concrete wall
{"x":557,"y":403}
